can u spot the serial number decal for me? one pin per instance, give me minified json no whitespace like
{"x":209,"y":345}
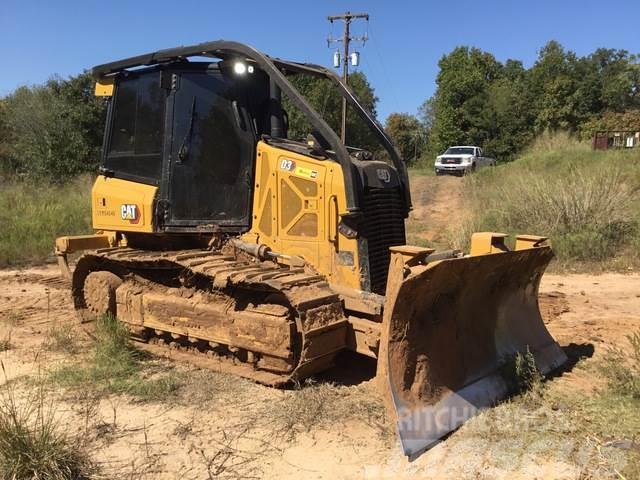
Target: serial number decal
{"x":287,"y":165}
{"x":130,"y":212}
{"x":105,"y":213}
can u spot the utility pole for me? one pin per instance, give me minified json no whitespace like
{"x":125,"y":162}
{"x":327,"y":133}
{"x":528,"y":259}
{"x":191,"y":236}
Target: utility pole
{"x":347,"y":18}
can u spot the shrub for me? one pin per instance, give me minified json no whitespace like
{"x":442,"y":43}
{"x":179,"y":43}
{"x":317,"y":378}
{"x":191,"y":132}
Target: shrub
{"x":587,"y":202}
{"x":622,"y":368}
{"x":520,"y":372}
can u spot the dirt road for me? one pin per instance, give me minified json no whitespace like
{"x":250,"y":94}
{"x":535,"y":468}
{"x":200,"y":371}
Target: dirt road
{"x":437,"y":207}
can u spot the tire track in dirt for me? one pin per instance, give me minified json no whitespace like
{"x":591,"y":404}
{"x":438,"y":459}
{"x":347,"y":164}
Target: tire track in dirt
{"x":34,"y":296}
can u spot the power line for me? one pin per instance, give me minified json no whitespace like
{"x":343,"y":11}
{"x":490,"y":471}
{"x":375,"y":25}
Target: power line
{"x":346,"y":18}
{"x":381,"y":66}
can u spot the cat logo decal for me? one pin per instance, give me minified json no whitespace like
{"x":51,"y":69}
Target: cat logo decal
{"x":130,"y":212}
{"x":383,"y":174}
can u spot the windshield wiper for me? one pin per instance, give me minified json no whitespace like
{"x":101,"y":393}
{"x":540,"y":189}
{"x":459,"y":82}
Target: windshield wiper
{"x":183,"y":151}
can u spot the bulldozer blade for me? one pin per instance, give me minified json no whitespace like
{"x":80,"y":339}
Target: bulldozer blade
{"x":448,"y":328}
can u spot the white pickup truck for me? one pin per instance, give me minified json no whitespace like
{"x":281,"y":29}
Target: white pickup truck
{"x":462,"y":159}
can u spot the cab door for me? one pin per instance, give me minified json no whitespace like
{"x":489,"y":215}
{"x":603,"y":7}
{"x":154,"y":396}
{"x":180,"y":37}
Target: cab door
{"x":211,"y":161}
{"x":482,"y":162}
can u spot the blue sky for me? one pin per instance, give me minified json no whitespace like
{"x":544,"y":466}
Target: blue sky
{"x":407,"y":38}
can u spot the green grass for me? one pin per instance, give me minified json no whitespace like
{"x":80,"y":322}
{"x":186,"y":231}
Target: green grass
{"x":63,"y":338}
{"x":5,"y":336}
{"x":115,"y":367}
{"x":610,"y":417}
{"x":566,"y":426}
{"x":622,"y":369}
{"x":33,"y":441}
{"x":595,"y":432}
{"x":587,"y":202}
{"x":32,"y":215}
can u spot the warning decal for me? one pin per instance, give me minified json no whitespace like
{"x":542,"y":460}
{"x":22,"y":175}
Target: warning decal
{"x":305,"y":172}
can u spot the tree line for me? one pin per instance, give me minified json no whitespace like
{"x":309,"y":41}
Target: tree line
{"x":503,"y":106}
{"x":55,"y":130}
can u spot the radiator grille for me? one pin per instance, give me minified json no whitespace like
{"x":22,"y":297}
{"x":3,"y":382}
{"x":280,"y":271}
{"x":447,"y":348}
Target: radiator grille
{"x":382,"y":227}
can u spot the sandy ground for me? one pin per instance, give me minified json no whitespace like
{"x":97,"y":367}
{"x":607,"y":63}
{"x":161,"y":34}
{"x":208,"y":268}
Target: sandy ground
{"x":222,"y":428}
{"x":179,"y":438}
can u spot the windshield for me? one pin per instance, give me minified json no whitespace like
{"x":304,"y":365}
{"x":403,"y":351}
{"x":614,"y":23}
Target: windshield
{"x":325,"y":98}
{"x":459,"y":151}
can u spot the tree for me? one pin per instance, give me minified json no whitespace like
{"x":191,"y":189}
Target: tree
{"x":463,"y":81}
{"x":408,"y":134}
{"x":558,"y":100}
{"x":427,"y":113}
{"x":55,"y":128}
{"x":324,"y":97}
{"x":506,"y":118}
{"x":514,"y":70}
{"x":6,"y":140}
{"x":619,"y":79}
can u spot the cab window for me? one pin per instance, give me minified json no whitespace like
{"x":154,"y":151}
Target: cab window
{"x":136,"y":133}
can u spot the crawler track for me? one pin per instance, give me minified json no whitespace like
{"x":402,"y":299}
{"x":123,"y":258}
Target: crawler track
{"x":293,"y":299}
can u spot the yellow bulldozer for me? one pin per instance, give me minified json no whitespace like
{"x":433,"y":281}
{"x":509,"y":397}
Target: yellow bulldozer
{"x":222,"y":238}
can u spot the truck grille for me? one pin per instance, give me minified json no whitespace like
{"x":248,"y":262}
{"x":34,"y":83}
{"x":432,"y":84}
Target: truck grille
{"x":451,"y":161}
{"x":382,"y":227}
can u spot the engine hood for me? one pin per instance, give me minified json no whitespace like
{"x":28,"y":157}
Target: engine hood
{"x":461,"y":156}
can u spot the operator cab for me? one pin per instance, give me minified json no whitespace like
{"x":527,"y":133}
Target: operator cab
{"x":185,"y":127}
{"x":192,"y":128}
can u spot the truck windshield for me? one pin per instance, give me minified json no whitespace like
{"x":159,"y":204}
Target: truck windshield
{"x":459,"y":151}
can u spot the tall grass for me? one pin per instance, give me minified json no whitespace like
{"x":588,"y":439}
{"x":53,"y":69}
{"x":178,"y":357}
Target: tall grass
{"x":622,"y":368}
{"x":587,"y":202}
{"x":34,"y":443}
{"x":32,"y":215}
